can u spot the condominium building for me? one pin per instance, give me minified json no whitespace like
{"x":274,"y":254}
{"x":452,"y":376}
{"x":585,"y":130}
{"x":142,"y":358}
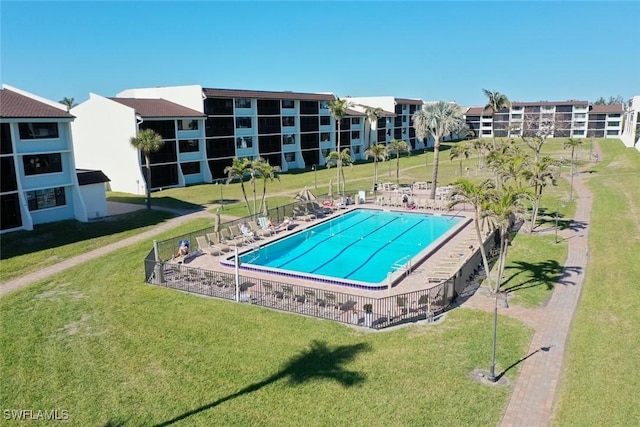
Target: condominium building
{"x":561,"y":119}
{"x":395,"y":122}
{"x":39,"y":180}
{"x":205,"y":128}
{"x":631,"y":124}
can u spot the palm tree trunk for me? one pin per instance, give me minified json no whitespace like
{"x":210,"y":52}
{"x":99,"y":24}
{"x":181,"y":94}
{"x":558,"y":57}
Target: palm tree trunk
{"x":398,"y":168}
{"x":503,"y":256}
{"x":483,"y":252}
{"x":536,"y":209}
{"x":244,"y":194}
{"x":148,"y":163}
{"x":501,"y":261}
{"x":339,"y":162}
{"x":436,"y":160}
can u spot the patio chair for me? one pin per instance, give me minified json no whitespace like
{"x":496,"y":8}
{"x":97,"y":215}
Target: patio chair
{"x":402,"y":304}
{"x":239,"y":235}
{"x":204,"y":246}
{"x":230,"y":239}
{"x":214,"y":242}
{"x":258,"y":231}
{"x":302,"y":214}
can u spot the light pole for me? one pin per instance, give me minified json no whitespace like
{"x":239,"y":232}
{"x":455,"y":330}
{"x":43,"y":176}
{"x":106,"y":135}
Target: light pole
{"x":315,"y":176}
{"x":219,"y":182}
{"x":505,"y":304}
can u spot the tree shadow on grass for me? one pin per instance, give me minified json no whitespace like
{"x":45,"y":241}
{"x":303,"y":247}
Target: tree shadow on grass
{"x":317,"y":362}
{"x":546,"y":220}
{"x":61,"y":233}
{"x":546,"y":273}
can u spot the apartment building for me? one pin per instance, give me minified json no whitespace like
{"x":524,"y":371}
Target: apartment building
{"x":205,"y":128}
{"x":103,"y":130}
{"x":631,"y":124}
{"x":39,"y":182}
{"x":395,"y":122}
{"x":561,"y":119}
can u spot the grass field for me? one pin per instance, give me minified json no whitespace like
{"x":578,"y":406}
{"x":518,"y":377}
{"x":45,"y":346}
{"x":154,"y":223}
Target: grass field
{"x":601,"y":377}
{"x":98,"y":342}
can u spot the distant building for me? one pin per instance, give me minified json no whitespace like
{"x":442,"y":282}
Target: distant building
{"x":39,"y":182}
{"x":560,"y":119}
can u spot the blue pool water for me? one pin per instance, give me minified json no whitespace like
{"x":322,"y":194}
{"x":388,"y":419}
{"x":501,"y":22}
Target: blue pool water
{"x":360,"y":246}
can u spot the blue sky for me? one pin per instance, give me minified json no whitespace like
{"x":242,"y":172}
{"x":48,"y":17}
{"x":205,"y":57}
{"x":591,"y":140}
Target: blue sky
{"x":448,"y":51}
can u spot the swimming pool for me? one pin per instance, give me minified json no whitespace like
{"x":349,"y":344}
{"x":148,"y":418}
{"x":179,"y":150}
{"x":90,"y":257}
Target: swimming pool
{"x":358,"y":248}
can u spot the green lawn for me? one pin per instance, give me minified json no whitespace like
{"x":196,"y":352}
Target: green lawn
{"x":27,"y":251}
{"x":116,"y":351}
{"x":601,"y":376}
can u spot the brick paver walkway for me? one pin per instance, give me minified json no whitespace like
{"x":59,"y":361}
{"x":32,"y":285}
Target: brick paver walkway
{"x":535,"y":390}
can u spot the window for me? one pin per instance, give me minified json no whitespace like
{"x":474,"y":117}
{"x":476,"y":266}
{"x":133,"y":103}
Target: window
{"x":243,"y":103}
{"x":8,"y":181}
{"x":5,"y":139}
{"x":42,"y":163}
{"x":486,"y":132}
{"x":191,"y":168}
{"x":325,"y":120}
{"x":288,"y":103}
{"x":48,"y":198}
{"x":188,"y":124}
{"x":355,"y":120}
{"x":188,"y":145}
{"x":268,"y":107}
{"x":612,"y":133}
{"x":324,"y":105}
{"x":218,"y":106}
{"x":165,"y":128}
{"x":289,"y":157}
{"x":325,"y":137}
{"x":288,"y":121}
{"x":580,"y":115}
{"x":516,"y":116}
{"x":516,"y":108}
{"x":244,"y":142}
{"x":355,"y":134}
{"x":356,"y":149}
{"x":38,"y":130}
{"x":614,"y":124}
{"x":325,"y":152}
{"x":578,"y":133}
{"x":288,"y":139}
{"x":612,"y":116}
{"x":404,"y":119}
{"x":243,"y":122}
{"x":308,"y":107}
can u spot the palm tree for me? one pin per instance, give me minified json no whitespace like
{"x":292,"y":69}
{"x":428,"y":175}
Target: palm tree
{"x":466,"y":191}
{"x":540,"y":174}
{"x":573,"y":144}
{"x":504,"y":207}
{"x":436,"y":120}
{"x":397,"y":147}
{"x":338,"y":109}
{"x":379,"y":153}
{"x":460,"y":150}
{"x":268,"y":173}
{"x":238,"y":170}
{"x":373,"y":114}
{"x":68,"y":102}
{"x":147,"y":141}
{"x":496,"y":101}
{"x":343,"y":158}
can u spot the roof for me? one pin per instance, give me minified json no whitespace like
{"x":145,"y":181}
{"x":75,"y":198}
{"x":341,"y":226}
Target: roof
{"x":408,"y":101}
{"x":352,"y":112}
{"x":261,"y":94}
{"x":479,"y":111}
{"x":602,"y":109}
{"x":15,"y":105}
{"x":541,"y":103}
{"x":87,"y":176}
{"x":157,"y":107}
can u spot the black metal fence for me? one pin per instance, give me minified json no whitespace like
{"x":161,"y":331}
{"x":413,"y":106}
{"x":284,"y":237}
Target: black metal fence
{"x":376,"y":313}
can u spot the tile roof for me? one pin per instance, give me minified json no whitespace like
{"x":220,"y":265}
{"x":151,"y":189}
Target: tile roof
{"x":479,"y":111}
{"x":601,"y":109}
{"x":541,"y":103}
{"x":408,"y":101}
{"x":15,"y":105}
{"x":262,"y":94}
{"x":352,"y":112}
{"x":157,"y":107}
{"x":87,"y":176}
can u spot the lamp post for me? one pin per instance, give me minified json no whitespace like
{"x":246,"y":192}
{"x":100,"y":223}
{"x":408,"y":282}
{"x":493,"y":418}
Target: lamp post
{"x":315,"y":176}
{"x":505,"y":304}
{"x":220,"y":183}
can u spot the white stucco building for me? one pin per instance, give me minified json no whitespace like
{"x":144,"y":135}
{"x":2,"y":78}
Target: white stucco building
{"x":631,"y":131}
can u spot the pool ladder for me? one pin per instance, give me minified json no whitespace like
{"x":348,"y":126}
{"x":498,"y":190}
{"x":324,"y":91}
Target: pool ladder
{"x":402,"y":264}
{"x":255,"y":252}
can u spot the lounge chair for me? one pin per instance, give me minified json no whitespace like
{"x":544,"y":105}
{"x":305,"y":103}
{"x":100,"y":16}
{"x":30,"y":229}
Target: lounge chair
{"x":301,"y":213}
{"x":230,"y":239}
{"x":258,"y":231}
{"x":204,"y":246}
{"x":214,"y":242}
{"x":239,"y":235}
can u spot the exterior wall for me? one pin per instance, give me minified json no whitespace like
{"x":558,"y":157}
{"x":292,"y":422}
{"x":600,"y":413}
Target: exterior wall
{"x":95,"y":200}
{"x":630,"y":134}
{"x":102,"y":131}
{"x":40,"y":195}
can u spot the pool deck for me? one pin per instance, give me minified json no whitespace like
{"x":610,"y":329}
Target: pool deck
{"x":447,"y":258}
